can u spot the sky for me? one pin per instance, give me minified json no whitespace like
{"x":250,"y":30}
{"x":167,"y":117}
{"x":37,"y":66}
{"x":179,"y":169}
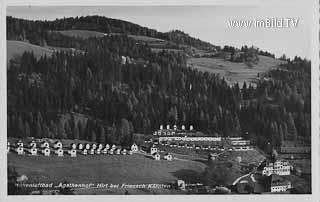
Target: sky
{"x":208,"y":23}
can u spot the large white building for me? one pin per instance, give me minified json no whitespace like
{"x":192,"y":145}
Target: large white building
{"x":279,"y":185}
{"x":278,"y":167}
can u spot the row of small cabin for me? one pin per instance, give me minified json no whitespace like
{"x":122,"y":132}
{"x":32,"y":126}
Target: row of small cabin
{"x":156,"y":155}
{"x":84,"y":149}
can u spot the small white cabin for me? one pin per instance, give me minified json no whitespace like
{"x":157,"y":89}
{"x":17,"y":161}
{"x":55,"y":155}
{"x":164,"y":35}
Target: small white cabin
{"x":84,"y":151}
{"x":111,"y":151}
{"x":153,"y":150}
{"x":168,"y":157}
{"x":73,"y":153}
{"x":118,"y":151}
{"x":94,"y":146}
{"x":183,"y":127}
{"x":80,"y":146}
{"x":124,"y":152}
{"x":98,"y":151}
{"x":19,"y":143}
{"x":46,"y":151}
{"x":130,"y":152}
{"x":57,"y":145}
{"x":107,"y":146}
{"x":105,"y":151}
{"x":20,"y":151}
{"x":32,"y":144}
{"x":73,"y":146}
{"x":87,"y":146}
{"x":44,"y":144}
{"x":59,"y":152}
{"x":91,"y":151}
{"x":134,"y":148}
{"x":33,"y":151}
{"x":156,"y":156}
{"x":113,"y":147}
{"x":100,"y":146}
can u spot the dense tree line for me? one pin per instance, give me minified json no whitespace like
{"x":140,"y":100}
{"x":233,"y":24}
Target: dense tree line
{"x":46,"y":97}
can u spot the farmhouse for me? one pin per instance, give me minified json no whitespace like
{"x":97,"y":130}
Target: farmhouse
{"x":84,"y":151}
{"x":134,"y":147}
{"x":33,"y":151}
{"x":59,"y":152}
{"x":44,"y":144}
{"x":278,"y":167}
{"x":73,"y":146}
{"x":168,"y":157}
{"x":19,"y":143}
{"x":80,"y":146}
{"x":19,"y":150}
{"x":57,"y":145}
{"x":46,"y":151}
{"x":279,"y":184}
{"x":156,"y":156}
{"x":73,"y":153}
{"x":87,"y":146}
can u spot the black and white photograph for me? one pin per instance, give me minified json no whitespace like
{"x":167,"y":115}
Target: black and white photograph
{"x":159,"y":99}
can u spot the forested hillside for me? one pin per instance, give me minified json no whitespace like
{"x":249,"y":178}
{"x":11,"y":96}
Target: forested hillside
{"x":119,"y":97}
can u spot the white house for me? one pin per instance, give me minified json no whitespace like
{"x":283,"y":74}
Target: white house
{"x":130,"y":152}
{"x":168,"y":127}
{"x":59,"y":152}
{"x":57,"y":145}
{"x":100,"y":146}
{"x":46,"y":151}
{"x":161,"y":127}
{"x":113,"y":147}
{"x":44,"y":144}
{"x":153,"y":150}
{"x":168,"y":157}
{"x":91,"y":151}
{"x":107,"y":146}
{"x":134,"y":147}
{"x":105,"y":151}
{"x":279,"y":185}
{"x":73,"y":146}
{"x":156,"y":156}
{"x":19,"y":150}
{"x":33,"y":151}
{"x":111,"y":151}
{"x":174,"y":127}
{"x":32,"y":144}
{"x":94,"y":146}
{"x":191,"y":127}
{"x":84,"y":151}
{"x":118,"y":151}
{"x":80,"y":146}
{"x":183,"y":127}
{"x":73,"y":153}
{"x":124,"y":152}
{"x":19,"y":143}
{"x":87,"y":146}
{"x":98,"y":151}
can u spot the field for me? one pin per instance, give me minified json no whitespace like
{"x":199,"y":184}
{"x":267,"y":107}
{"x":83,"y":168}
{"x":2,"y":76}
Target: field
{"x":134,"y":169}
{"x":16,"y":48}
{"x":231,"y":71}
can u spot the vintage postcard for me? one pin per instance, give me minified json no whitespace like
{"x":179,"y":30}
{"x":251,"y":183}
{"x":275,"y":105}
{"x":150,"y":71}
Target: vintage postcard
{"x":160,"y":99}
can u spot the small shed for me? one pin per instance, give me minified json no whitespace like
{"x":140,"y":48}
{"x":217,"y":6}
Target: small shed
{"x":118,"y":151}
{"x":80,"y":146}
{"x":156,"y":156}
{"x":91,"y":151}
{"x":20,"y":151}
{"x":134,"y":147}
{"x":87,"y":146}
{"x":33,"y":151}
{"x":73,"y":153}
{"x":46,"y":151}
{"x":73,"y":146}
{"x":44,"y":144}
{"x":105,"y":151}
{"x":19,"y":143}
{"x":98,"y":151}
{"x":124,"y":152}
{"x":59,"y":152}
{"x":32,"y":144}
{"x":168,"y":157}
{"x":84,"y":151}
{"x":57,"y":145}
